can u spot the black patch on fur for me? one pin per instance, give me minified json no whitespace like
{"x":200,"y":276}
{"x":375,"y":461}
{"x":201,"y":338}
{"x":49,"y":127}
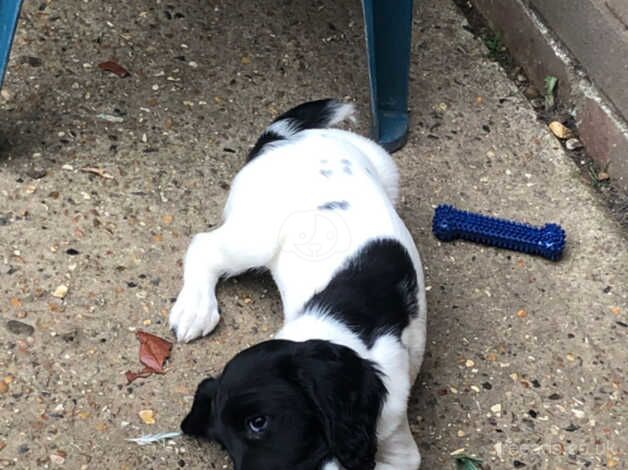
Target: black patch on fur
{"x":374,"y":293}
{"x":321,"y":401}
{"x":311,"y":115}
{"x":266,"y":138}
{"x":331,"y":205}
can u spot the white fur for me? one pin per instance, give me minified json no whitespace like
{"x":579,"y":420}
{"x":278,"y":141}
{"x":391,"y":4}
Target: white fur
{"x":272,"y":220}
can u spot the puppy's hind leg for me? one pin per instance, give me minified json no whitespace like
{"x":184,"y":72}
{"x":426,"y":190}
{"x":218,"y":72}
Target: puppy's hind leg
{"x":229,"y":250}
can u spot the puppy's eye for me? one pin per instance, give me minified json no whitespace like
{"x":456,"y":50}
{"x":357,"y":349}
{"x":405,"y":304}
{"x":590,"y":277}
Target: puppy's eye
{"x":258,"y":423}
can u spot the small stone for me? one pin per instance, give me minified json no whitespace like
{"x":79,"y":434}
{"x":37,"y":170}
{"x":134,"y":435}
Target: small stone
{"x":497,"y":409}
{"x":537,"y":103}
{"x":147,"y":416}
{"x":57,"y":459}
{"x":461,"y":433}
{"x":560,"y":130}
{"x":20,"y":328}
{"x":570,"y":357}
{"x":531,"y":92}
{"x":4,"y":387}
{"x":578,"y":413}
{"x":603,"y":176}
{"x":193,"y":64}
{"x":522,"y":313}
{"x":167,"y":219}
{"x":36,"y":173}
{"x":32,"y":61}
{"x":521,"y":78}
{"x":110,"y":118}
{"x":573,"y":144}
{"x":60,"y":292}
{"x":469,"y":363}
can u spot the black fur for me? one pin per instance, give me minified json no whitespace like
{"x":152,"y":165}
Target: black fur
{"x":322,"y":401}
{"x":266,"y":138}
{"x":310,"y":115}
{"x":374,"y":293}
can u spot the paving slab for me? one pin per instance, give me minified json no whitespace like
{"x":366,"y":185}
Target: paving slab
{"x":526,"y":359}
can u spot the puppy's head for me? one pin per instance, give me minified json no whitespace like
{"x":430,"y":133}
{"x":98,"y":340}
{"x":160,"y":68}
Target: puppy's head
{"x":284,"y":405}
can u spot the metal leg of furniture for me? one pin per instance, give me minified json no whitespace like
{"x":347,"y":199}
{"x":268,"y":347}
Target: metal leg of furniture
{"x":388,"y":27}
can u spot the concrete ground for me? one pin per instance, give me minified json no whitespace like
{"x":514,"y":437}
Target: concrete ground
{"x":526,"y":359}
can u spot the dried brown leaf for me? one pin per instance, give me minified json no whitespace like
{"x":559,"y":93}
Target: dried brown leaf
{"x":114,"y":67}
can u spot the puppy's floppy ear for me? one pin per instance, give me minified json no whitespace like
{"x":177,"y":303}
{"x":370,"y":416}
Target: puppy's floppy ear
{"x":197,"y":422}
{"x":348,"y":394}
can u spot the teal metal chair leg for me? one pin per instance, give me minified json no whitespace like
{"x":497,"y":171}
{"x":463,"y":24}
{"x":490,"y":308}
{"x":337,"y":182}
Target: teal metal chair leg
{"x":9,"y":13}
{"x":388,"y":27}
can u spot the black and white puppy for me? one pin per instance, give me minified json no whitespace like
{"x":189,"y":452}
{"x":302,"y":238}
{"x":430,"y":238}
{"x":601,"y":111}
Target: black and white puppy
{"x":316,"y":207}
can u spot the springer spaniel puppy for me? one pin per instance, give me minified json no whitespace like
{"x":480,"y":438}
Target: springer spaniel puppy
{"x":316,"y":207}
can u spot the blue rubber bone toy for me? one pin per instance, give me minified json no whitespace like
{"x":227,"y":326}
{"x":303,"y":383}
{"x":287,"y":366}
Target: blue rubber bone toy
{"x":450,"y":223}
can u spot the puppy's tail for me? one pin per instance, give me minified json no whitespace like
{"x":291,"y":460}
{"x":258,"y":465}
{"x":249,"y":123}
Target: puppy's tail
{"x":318,"y":114}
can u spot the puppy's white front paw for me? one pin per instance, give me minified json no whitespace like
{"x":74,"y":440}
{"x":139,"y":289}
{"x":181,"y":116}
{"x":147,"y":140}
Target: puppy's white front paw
{"x":194,"y":314}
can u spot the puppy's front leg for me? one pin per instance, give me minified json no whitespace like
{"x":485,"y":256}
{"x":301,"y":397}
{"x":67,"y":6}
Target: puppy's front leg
{"x":399,"y":451}
{"x":227,"y":251}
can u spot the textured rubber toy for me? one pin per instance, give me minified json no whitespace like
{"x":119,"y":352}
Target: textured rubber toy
{"x":450,"y":224}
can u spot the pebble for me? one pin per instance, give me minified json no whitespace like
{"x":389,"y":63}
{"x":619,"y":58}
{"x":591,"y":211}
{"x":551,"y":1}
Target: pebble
{"x":36,"y":173}
{"x":147,"y":416}
{"x":60,"y":292}
{"x":560,"y":130}
{"x":531,"y":92}
{"x":57,"y":459}
{"x":497,"y":409}
{"x":20,"y":328}
{"x":577,"y":413}
{"x":110,"y":118}
{"x":4,"y":387}
{"x":469,"y":363}
{"x":573,"y":144}
{"x":537,"y":103}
